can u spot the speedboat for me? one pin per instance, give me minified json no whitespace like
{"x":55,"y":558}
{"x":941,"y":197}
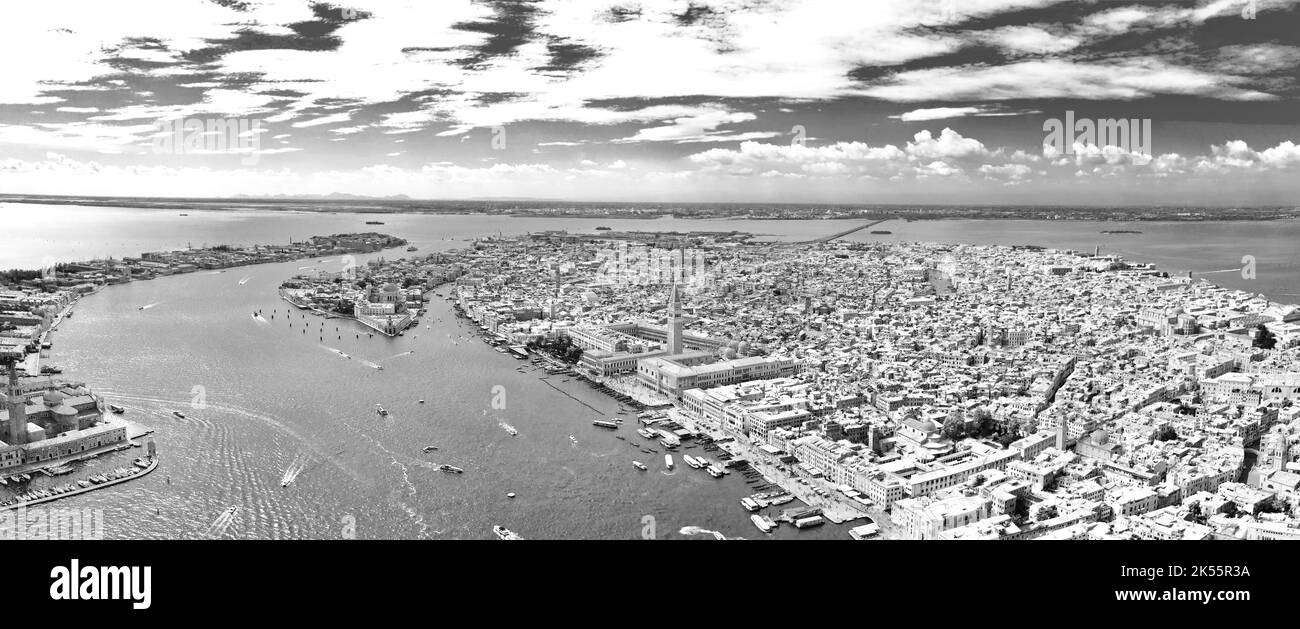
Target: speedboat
{"x":179,"y":414}
{"x":639,"y":465}
{"x":430,"y":448}
{"x":450,"y":469}
{"x":380,"y":409}
{"x":505,"y":533}
{"x":116,"y":409}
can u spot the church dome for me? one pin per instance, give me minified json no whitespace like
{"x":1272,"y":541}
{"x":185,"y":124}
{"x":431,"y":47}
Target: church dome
{"x":54,"y":398}
{"x":1100,"y":436}
{"x":928,"y":425}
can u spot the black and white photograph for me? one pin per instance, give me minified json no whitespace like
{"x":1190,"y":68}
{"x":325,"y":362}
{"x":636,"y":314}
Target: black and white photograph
{"x":373,"y":274}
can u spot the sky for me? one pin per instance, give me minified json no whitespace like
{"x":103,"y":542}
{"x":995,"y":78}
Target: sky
{"x":791,"y":101}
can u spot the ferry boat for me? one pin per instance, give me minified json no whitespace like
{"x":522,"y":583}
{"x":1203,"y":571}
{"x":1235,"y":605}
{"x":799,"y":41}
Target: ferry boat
{"x":116,"y":409}
{"x":764,"y":524}
{"x":450,"y":469}
{"x":668,"y":461}
{"x":690,"y":460}
{"x":750,"y":504}
{"x":412,"y":248}
{"x":714,"y":471}
{"x":179,"y":414}
{"x":604,"y":424}
{"x":646,"y":432}
{"x":810,"y":521}
{"x":639,"y":465}
{"x":505,"y":533}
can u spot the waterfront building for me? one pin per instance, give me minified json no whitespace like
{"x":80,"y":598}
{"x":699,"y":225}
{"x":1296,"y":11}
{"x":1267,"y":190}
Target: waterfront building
{"x":47,"y":422}
{"x":384,"y":309}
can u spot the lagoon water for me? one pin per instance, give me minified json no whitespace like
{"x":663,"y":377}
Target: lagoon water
{"x":260,"y":396}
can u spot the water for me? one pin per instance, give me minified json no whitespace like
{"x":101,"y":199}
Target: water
{"x":263,"y":399}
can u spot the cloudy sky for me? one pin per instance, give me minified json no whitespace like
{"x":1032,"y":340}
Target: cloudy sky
{"x":867,"y":101}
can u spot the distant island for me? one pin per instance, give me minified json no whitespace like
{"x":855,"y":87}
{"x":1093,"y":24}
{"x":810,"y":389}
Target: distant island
{"x":1120,"y":231}
{"x":341,"y":203}
{"x":881,"y":231}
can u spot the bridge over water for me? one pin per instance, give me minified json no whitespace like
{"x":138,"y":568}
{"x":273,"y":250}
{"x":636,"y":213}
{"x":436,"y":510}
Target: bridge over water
{"x":845,"y":232}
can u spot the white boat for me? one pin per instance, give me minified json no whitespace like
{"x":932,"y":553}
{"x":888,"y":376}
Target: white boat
{"x":510,"y":429}
{"x":691,"y":461}
{"x":764,"y":524}
{"x":380,"y":409}
{"x":604,"y":424}
{"x":668,"y":461}
{"x":714,"y":471}
{"x":505,"y":533}
{"x":639,"y":465}
{"x":865,"y":531}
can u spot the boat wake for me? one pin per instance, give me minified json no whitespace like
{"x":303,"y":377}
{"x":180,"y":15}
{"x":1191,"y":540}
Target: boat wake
{"x":340,"y":352}
{"x":148,"y":306}
{"x":402,"y":463}
{"x":295,"y":468}
{"x":508,"y":428}
{"x":220,"y":525}
{"x":260,"y":320}
{"x":244,"y":280}
{"x":306,"y":442}
{"x":695,"y":530}
{"x":406,"y":353}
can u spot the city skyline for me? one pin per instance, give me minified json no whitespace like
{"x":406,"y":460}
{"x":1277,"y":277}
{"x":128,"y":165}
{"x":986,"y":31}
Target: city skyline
{"x":780,"y":102}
